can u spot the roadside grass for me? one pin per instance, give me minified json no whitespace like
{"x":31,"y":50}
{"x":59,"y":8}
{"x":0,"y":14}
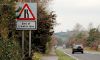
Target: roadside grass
{"x":90,"y":49}
{"x":62,"y":56}
{"x":36,"y":56}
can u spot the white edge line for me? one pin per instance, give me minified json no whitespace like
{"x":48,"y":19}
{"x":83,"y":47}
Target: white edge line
{"x":71,"y":56}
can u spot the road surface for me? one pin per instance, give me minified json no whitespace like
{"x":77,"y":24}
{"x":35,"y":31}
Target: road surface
{"x":85,"y":56}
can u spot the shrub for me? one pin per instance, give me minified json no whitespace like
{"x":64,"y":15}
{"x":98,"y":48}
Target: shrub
{"x":9,"y":50}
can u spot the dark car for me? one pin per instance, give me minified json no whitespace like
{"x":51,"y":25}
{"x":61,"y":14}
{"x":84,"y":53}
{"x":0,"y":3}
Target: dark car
{"x":77,"y":48}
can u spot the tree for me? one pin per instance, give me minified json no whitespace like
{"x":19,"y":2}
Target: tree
{"x":46,"y":20}
{"x":90,"y":26}
{"x":78,"y":27}
{"x":9,"y":46}
{"x":94,"y":35}
{"x":78,"y":35}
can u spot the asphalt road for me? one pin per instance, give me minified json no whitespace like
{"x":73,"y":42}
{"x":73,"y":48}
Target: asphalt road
{"x":85,"y":56}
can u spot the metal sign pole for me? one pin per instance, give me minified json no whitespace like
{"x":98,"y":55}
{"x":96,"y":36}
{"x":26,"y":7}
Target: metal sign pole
{"x":22,"y":44}
{"x":30,"y":41}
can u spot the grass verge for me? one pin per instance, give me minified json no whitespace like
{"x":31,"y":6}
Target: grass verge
{"x":62,"y":56}
{"x":37,"y":56}
{"x":91,"y":49}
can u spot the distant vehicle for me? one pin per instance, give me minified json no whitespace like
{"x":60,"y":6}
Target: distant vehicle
{"x":64,"y":46}
{"x":77,"y":48}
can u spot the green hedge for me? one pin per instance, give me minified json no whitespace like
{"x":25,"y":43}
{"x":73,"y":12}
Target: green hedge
{"x":9,"y":50}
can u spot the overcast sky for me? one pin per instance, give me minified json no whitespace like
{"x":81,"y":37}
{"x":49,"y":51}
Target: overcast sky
{"x":70,"y":12}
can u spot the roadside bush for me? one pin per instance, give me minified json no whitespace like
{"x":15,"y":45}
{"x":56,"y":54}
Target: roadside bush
{"x":9,"y":50}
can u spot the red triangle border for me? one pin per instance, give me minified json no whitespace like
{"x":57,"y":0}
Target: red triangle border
{"x":26,"y":5}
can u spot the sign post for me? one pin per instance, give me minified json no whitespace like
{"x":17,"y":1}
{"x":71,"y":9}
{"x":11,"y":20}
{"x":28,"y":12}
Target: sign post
{"x":23,"y":44}
{"x":29,"y":42}
{"x":27,"y":20}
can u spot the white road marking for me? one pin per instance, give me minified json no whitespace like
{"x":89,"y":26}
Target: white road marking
{"x":92,"y":52}
{"x":71,"y":56}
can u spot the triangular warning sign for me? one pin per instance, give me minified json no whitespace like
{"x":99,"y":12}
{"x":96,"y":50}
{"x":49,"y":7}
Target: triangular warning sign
{"x":27,"y":13}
